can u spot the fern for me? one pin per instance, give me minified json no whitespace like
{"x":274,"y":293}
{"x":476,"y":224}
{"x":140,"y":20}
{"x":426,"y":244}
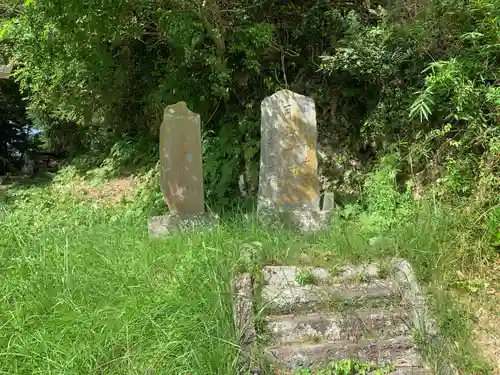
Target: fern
{"x":422,"y":106}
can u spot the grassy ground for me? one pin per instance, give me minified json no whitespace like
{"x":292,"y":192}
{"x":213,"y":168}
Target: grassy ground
{"x":83,"y":290}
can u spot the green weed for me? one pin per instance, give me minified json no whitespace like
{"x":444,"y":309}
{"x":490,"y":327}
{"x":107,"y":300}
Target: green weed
{"x":305,"y":277}
{"x":84,"y":290}
{"x":347,"y":367}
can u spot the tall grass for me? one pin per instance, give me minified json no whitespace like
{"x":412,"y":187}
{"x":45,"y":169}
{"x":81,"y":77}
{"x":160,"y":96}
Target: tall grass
{"x":83,"y":290}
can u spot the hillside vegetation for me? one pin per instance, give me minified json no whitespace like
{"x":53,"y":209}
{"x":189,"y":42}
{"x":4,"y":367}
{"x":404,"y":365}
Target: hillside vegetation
{"x":407,"y":96}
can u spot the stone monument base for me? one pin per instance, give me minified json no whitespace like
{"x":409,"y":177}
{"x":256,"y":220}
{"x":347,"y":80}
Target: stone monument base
{"x":166,"y":225}
{"x":307,"y":220}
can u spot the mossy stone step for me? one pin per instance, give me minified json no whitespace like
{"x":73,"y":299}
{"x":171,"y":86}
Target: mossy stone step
{"x":313,"y":316}
{"x":398,"y":351}
{"x":327,"y":327}
{"x":286,"y":299}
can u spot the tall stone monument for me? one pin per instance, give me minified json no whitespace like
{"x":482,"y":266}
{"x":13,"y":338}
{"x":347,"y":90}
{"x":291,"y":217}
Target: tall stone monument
{"x":289,"y":186}
{"x":181,"y":173}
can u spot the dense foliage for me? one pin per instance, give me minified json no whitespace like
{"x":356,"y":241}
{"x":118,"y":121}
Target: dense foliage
{"x":14,"y":137}
{"x":418,"y":78}
{"x":407,"y":95}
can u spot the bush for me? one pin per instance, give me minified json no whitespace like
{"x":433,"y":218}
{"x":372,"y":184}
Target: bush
{"x":417,"y":79}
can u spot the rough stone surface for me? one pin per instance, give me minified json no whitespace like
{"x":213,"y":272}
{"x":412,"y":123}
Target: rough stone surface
{"x":181,"y":172}
{"x":399,"y":352}
{"x":162,"y":226}
{"x":287,"y":275}
{"x":289,"y":186}
{"x":325,"y":327}
{"x":359,"y":272}
{"x":352,"y":312}
{"x":412,"y":292}
{"x":287,"y":298}
{"x":244,"y":317}
{"x":306,"y":220}
{"x":328,"y":201}
{"x":283,"y":275}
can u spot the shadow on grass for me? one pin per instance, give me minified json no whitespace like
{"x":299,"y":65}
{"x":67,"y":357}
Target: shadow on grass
{"x":118,"y":157}
{"x":22,"y":182}
{"x":41,"y":179}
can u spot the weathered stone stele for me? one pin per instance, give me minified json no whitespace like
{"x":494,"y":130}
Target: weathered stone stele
{"x":288,"y":174}
{"x":288,"y":179}
{"x":181,"y":172}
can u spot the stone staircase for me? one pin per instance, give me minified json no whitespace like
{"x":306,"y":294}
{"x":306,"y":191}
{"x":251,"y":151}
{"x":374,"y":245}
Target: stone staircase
{"x":313,"y":317}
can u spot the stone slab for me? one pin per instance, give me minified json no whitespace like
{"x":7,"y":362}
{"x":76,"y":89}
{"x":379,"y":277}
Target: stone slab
{"x":410,"y":371}
{"x":362,"y":312}
{"x":399,"y":352}
{"x":351,"y":326}
{"x":291,"y":298}
{"x":287,"y":275}
{"x":357,"y":272}
{"x":163,"y":226}
{"x":5,"y":71}
{"x":328,"y":201}
{"x":399,"y":371}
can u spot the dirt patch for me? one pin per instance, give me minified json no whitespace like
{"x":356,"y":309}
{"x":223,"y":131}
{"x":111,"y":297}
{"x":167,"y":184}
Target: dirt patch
{"x":481,"y":298}
{"x":112,"y":191}
{"x":488,"y":336}
{"x":487,"y":329}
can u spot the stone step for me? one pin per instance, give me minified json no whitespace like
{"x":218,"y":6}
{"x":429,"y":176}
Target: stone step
{"x":288,"y":275}
{"x":410,"y":371}
{"x":285,"y":275}
{"x":399,"y":352}
{"x":399,"y":371}
{"x":350,"y":326}
{"x":286,"y":299}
